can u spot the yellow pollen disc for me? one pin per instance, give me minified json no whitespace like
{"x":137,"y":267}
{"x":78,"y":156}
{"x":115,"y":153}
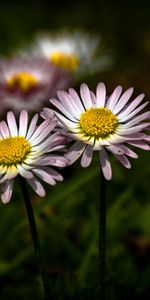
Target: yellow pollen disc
{"x":24,"y":81}
{"x":14,"y":150}
{"x":64,"y":60}
{"x":98,"y":122}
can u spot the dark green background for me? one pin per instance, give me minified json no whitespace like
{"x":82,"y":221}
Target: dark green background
{"x":67,"y":218}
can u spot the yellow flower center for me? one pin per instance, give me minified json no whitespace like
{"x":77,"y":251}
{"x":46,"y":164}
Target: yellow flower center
{"x":98,"y":122}
{"x":13,"y":150}
{"x":65,"y":60}
{"x":24,"y":81}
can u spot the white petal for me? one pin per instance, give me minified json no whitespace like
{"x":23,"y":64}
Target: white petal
{"x":113,"y":99}
{"x":123,"y":100}
{"x":94,"y":99}
{"x":23,"y":123}
{"x":131,"y":106}
{"x":68,"y":103}
{"x":76,"y":99}
{"x":131,"y":130}
{"x":24,"y":173}
{"x":67,"y":123}
{"x":9,"y":174}
{"x":101,"y":95}
{"x":39,"y":129}
{"x":43,"y":134}
{"x":32,"y":126}
{"x":63,"y":110}
{"x":136,"y":120}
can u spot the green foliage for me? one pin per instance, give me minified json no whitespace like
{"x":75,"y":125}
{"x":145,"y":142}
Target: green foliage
{"x":67,"y":221}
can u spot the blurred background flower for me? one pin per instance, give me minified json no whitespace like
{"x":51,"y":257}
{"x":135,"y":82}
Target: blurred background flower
{"x":76,"y":51}
{"x":29,"y":82}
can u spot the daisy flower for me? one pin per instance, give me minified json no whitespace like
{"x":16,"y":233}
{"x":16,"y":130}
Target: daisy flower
{"x":100,"y":123}
{"x":27,"y":150}
{"x":72,"y":51}
{"x":28,"y":82}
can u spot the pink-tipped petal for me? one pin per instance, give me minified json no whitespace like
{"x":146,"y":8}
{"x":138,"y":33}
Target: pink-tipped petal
{"x":4,"y":130}
{"x":40,"y":129}
{"x":75,"y":152}
{"x":66,"y":112}
{"x":87,"y":156}
{"x":23,"y":123}
{"x":123,"y":160}
{"x":37,"y":186}
{"x":130,"y":111}
{"x":41,"y":173}
{"x":138,"y":119}
{"x":47,"y":113}
{"x":68,"y":103}
{"x":12,"y":124}
{"x":93,"y":98}
{"x":140,"y":145}
{"x":115,"y":149}
{"x":128,"y":151}
{"x":105,"y":164}
{"x":85,"y":95}
{"x":114,"y":97}
{"x":76,"y":99}
{"x":132,"y":130}
{"x":24,"y":173}
{"x":123,"y":100}
{"x":6,"y":191}
{"x":32,"y":126}
{"x":54,"y":174}
{"x":43,"y":134}
{"x":101,"y":94}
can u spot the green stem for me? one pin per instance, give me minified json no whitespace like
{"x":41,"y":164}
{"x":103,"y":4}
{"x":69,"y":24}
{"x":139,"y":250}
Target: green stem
{"x":35,"y":238}
{"x":102,"y":239}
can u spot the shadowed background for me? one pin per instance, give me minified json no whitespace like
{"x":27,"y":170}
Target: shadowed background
{"x":67,"y":217}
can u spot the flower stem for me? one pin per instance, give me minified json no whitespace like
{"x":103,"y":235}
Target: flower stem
{"x":102,"y":239}
{"x":35,"y":238}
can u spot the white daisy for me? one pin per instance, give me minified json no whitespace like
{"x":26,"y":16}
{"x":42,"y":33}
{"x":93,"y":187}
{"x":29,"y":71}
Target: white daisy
{"x":27,"y":150}
{"x":76,"y":51}
{"x":102,"y":123}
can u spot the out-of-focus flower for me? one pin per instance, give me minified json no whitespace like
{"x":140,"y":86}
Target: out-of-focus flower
{"x":102,"y":123}
{"x":28,"y":151}
{"x":29,"y":82}
{"x":74,"y":51}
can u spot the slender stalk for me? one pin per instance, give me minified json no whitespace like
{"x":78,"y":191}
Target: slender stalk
{"x":102,"y":239}
{"x":35,"y":238}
